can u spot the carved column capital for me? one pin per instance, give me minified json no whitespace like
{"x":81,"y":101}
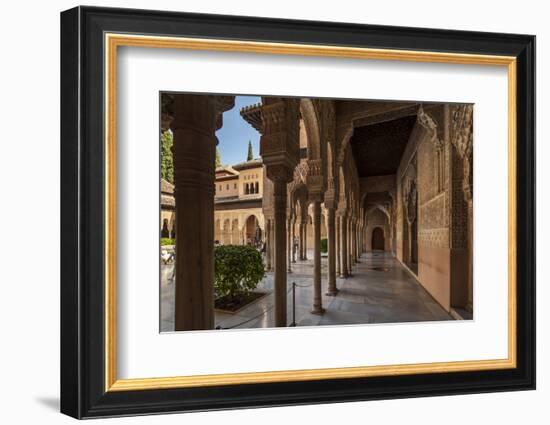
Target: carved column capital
{"x":279,"y":173}
{"x":315,"y":176}
{"x":280,"y":131}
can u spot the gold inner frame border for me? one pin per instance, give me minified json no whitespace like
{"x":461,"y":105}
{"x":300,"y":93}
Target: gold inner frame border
{"x":112,"y":41}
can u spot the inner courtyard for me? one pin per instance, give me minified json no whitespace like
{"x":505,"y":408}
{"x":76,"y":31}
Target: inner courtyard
{"x":361,"y":210}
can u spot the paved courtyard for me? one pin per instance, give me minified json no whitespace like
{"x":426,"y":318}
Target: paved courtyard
{"x":381,"y":290}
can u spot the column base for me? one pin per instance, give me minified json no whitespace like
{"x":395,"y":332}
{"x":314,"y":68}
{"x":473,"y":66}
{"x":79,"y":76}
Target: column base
{"x":332,"y":292}
{"x":318,"y":310}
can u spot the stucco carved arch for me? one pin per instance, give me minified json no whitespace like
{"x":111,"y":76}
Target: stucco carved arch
{"x":259,"y":219}
{"x":316,"y":149}
{"x":378,"y":207}
{"x":343,"y":136}
{"x":310,"y":118}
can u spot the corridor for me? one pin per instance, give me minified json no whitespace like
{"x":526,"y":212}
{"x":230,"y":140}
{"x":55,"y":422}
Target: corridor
{"x":380,"y":290}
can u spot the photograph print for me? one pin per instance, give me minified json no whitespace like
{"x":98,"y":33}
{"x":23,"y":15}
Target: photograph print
{"x":287,"y":212}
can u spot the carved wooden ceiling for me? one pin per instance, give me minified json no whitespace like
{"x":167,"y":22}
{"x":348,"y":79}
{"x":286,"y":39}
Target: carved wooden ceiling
{"x":378,"y":148}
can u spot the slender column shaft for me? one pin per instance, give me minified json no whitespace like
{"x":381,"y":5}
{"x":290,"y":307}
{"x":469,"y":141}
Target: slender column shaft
{"x":351,"y":254}
{"x":279,"y":279}
{"x":305,"y":238}
{"x":268,"y":244}
{"x":350,"y":247}
{"x":338,"y":247}
{"x":344,"y":243}
{"x":293,"y":239}
{"x":360,"y":240}
{"x":289,"y":245}
{"x":355,"y":236}
{"x":332,"y":290}
{"x":194,"y":151}
{"x":317,"y":296}
{"x":352,"y":241}
{"x":353,"y":257}
{"x":355,"y":239}
{"x":301,"y":239}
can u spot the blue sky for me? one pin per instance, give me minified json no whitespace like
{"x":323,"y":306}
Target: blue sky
{"x":235,"y":133}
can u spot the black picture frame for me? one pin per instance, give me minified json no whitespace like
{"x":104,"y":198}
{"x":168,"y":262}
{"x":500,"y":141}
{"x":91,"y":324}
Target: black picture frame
{"x":82,"y":206}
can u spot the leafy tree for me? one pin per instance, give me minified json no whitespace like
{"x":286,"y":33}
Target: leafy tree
{"x":166,"y":156}
{"x":250,"y":155}
{"x":218,"y":159}
{"x":237,"y":270}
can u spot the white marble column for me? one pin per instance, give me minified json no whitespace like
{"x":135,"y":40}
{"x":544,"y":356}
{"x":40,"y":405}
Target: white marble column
{"x":349,"y":246}
{"x":338,"y":246}
{"x":301,"y":231}
{"x":305,"y":236}
{"x":344,"y":246}
{"x":279,"y":278}
{"x":268,"y":244}
{"x":332,"y":290}
{"x":293,"y":239}
{"x":317,"y":295}
{"x":289,"y":244}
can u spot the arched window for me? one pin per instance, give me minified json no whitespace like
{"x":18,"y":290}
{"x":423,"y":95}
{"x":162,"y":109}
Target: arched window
{"x":247,"y":191}
{"x":257,"y":187}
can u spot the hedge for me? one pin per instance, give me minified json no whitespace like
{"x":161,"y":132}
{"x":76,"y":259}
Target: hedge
{"x":167,"y":241}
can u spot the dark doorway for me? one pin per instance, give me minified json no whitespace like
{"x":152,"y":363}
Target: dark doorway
{"x":251,"y":230}
{"x":377,"y":239}
{"x":164,"y":232}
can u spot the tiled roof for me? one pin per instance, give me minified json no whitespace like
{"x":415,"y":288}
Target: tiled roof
{"x":253,"y":163}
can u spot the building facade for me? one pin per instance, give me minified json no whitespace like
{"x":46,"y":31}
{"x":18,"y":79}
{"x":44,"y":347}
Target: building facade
{"x":238,"y":216}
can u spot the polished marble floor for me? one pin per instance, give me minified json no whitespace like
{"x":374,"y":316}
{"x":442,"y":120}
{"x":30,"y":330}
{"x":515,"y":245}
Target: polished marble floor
{"x":380,"y":290}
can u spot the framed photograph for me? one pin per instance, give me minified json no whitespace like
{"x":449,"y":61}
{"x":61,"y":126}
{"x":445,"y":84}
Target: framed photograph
{"x":261,"y":212}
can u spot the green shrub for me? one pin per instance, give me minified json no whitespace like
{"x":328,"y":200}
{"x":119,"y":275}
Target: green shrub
{"x":167,"y":241}
{"x":237,"y":269}
{"x":324,"y":246}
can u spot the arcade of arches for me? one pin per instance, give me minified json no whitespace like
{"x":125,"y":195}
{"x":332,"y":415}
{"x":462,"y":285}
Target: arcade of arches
{"x":386,"y":180}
